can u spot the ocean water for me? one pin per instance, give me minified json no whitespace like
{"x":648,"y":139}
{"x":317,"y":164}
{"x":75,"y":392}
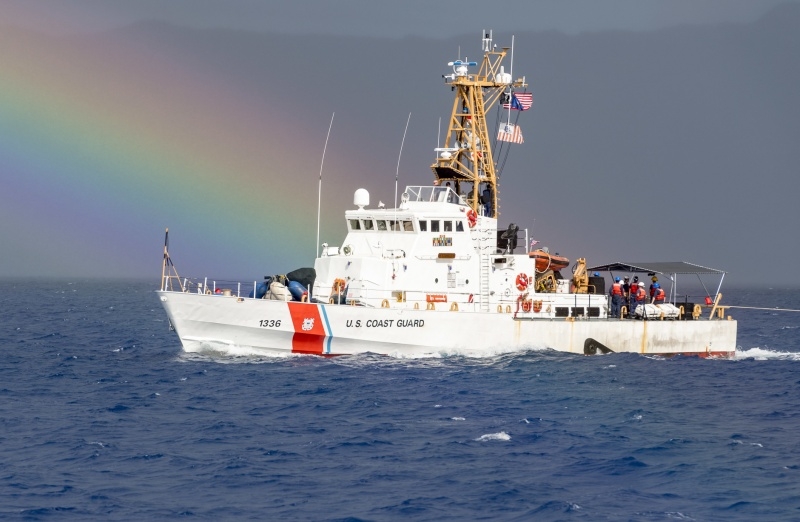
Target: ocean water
{"x":103,"y":417}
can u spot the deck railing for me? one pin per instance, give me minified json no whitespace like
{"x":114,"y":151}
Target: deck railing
{"x":421,"y":300}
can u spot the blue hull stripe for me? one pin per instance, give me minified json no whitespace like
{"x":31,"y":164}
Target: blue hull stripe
{"x":327,"y":327}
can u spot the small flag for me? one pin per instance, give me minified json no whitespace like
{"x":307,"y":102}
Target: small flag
{"x":510,"y":132}
{"x":533,"y":242}
{"x":521,"y":101}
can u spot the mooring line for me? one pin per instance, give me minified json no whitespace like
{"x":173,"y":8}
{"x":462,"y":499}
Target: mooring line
{"x":776,"y":309}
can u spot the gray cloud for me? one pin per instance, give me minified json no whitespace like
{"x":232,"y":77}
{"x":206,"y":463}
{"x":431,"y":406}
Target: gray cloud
{"x":434,"y":19}
{"x":677,"y":144}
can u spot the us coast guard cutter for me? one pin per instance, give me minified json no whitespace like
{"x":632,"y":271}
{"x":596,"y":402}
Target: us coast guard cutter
{"x":437,"y":274}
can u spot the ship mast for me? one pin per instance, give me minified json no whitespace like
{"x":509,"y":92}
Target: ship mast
{"x":466,"y":157}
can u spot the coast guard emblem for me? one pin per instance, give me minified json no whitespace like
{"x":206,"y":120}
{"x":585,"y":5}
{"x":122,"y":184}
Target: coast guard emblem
{"x":308,"y":324}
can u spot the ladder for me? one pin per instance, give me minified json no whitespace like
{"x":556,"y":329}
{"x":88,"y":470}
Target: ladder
{"x":485,"y":270}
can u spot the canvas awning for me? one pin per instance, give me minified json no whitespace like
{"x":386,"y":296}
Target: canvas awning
{"x":658,"y":267}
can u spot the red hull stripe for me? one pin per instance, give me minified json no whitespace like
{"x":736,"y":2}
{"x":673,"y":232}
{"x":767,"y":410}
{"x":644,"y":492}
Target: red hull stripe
{"x":309,"y":330}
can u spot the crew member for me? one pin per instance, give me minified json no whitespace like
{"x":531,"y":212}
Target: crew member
{"x":617,"y":297}
{"x":658,"y":294}
{"x":639,"y":298}
{"x":626,"y":291}
{"x":634,"y":290}
{"x":486,"y":200}
{"x":653,"y":286}
{"x":450,"y":193}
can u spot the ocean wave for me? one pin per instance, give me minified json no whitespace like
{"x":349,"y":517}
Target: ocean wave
{"x":494,"y":436}
{"x":491,"y":357}
{"x":763,"y":354}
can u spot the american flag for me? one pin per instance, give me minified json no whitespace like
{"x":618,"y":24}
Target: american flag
{"x":533,"y":242}
{"x":521,"y":101}
{"x":511,"y":133}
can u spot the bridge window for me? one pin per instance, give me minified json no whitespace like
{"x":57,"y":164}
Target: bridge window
{"x":368,"y":225}
{"x":447,"y":226}
{"x":381,"y":224}
{"x":355,"y":224}
{"x":434,"y":225}
{"x":459,"y":226}
{"x":423,"y":225}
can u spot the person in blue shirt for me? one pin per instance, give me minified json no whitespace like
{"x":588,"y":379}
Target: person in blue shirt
{"x":486,"y":199}
{"x":658,"y":295}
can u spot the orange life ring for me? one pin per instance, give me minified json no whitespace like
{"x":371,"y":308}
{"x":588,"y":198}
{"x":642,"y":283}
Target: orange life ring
{"x":338,"y":286}
{"x":472,"y":218}
{"x":526,"y":305}
{"x":522,"y":282}
{"x":537,"y":306}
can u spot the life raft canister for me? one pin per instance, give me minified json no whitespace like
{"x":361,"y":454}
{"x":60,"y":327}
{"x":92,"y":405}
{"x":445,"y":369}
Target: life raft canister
{"x":522,"y":282}
{"x":472,"y":218}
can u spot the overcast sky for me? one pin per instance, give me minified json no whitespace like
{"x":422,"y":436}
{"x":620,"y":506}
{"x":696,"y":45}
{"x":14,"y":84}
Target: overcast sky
{"x":661,"y":130}
{"x":396,"y":19}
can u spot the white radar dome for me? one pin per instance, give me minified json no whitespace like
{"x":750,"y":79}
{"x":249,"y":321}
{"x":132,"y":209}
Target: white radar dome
{"x":361,"y":198}
{"x":502,"y":76}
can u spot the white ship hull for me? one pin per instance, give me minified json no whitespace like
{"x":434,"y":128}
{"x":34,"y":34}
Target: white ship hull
{"x":269,"y":327}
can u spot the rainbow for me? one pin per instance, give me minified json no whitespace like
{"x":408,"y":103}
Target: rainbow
{"x":105,"y":141}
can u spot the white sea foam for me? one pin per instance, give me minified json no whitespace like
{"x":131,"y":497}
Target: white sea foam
{"x":762,"y":354}
{"x":216,"y":349}
{"x":457,"y":418}
{"x":494,"y":436}
{"x":225,"y":352}
{"x":757,"y":444}
{"x":485,"y":353}
{"x":229,"y":353}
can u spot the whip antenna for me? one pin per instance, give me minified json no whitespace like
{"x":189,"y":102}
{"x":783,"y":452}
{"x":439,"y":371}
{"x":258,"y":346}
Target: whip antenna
{"x":397,"y":172}
{"x":319,"y":195}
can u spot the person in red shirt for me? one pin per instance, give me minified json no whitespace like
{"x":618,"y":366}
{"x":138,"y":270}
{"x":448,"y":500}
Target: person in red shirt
{"x":617,"y":297}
